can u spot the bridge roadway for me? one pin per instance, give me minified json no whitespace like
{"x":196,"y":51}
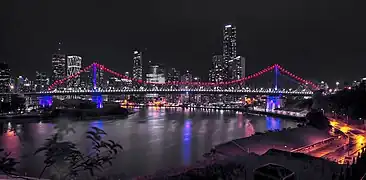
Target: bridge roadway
{"x":173,"y":91}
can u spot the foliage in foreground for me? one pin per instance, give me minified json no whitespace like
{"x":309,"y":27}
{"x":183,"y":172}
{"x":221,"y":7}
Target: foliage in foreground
{"x":69,"y":162}
{"x":65,"y":160}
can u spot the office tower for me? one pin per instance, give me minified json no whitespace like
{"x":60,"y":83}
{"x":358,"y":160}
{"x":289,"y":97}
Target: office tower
{"x":41,"y":82}
{"x":126,"y":82}
{"x":173,"y":75}
{"x":58,"y":67}
{"x":187,"y":77}
{"x":211,"y":75}
{"x":17,"y":84}
{"x":73,"y":67}
{"x":238,"y":68}
{"x":218,"y":68}
{"x":229,"y":49}
{"x":100,"y":79}
{"x":156,"y":73}
{"x":4,"y":78}
{"x":137,"y":65}
{"x":86,"y":80}
{"x":22,"y":84}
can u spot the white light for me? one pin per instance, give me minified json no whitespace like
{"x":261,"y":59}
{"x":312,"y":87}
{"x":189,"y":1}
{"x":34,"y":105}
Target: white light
{"x":228,"y":26}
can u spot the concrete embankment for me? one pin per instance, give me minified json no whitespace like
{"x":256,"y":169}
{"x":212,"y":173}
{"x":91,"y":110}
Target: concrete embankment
{"x":300,"y":118}
{"x":286,"y":140}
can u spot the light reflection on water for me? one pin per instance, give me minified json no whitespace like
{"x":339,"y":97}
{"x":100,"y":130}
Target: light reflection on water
{"x":186,"y":142}
{"x":152,"y":139}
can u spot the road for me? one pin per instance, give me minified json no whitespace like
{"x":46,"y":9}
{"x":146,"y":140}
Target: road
{"x":345,"y":146}
{"x":327,"y":149}
{"x":356,"y":141}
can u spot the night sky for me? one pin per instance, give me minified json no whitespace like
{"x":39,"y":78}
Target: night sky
{"x":316,"y":39}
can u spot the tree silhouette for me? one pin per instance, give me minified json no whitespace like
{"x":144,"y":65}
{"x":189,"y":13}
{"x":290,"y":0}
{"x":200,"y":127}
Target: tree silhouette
{"x":7,"y":163}
{"x":350,"y":102}
{"x":70,"y":162}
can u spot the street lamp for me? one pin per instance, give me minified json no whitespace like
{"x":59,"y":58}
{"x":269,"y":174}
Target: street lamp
{"x":337,"y":84}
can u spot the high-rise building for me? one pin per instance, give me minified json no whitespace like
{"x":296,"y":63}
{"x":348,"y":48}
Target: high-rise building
{"x":22,"y":84}
{"x":173,"y":75}
{"x":4,"y":78}
{"x":238,"y":68}
{"x":218,"y":68}
{"x":58,"y":67}
{"x":73,"y":67}
{"x":86,"y":80}
{"x":211,"y":75}
{"x":137,"y":65}
{"x":229,"y":49}
{"x":41,"y":82}
{"x":156,"y":73}
{"x":187,"y":77}
{"x":101,"y":81}
{"x":18,"y":84}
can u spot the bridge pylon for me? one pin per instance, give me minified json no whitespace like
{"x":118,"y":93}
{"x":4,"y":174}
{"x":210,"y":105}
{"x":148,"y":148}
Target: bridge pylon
{"x":276,"y":76}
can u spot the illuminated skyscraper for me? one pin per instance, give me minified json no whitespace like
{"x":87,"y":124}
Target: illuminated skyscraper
{"x":238,"y":68}
{"x":4,"y":78}
{"x":58,"y":67}
{"x":173,"y":75}
{"x":156,"y":73}
{"x":218,"y":68}
{"x":229,"y":49}
{"x":41,"y":82}
{"x":73,"y":67}
{"x":22,"y":84}
{"x":137,"y":65}
{"x":187,"y":77}
{"x":211,"y":75}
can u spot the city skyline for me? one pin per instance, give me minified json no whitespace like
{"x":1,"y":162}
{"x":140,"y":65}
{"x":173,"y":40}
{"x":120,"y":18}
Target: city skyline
{"x":65,"y":65}
{"x":263,"y":38}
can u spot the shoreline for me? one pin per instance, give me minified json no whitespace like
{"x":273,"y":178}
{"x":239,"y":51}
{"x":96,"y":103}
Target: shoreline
{"x":286,"y":140}
{"x":40,"y":117}
{"x":274,"y":113}
{"x":255,"y":146}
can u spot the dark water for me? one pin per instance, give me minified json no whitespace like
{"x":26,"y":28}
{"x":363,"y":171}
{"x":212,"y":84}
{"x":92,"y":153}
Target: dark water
{"x":152,"y":138}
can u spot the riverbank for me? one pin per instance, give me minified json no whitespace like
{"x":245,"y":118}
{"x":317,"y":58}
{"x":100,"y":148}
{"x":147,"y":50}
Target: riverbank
{"x":243,"y":167}
{"x":262,"y":148}
{"x":76,"y":114}
{"x":285,"y":140}
{"x":300,"y":116}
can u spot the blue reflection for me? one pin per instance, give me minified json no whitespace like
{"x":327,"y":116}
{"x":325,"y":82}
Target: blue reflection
{"x":273,"y":102}
{"x":186,"y":144}
{"x":98,"y":99}
{"x":98,"y":124}
{"x":45,"y":101}
{"x":273,"y":123}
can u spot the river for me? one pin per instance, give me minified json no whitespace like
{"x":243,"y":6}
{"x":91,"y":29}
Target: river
{"x":152,"y":138}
